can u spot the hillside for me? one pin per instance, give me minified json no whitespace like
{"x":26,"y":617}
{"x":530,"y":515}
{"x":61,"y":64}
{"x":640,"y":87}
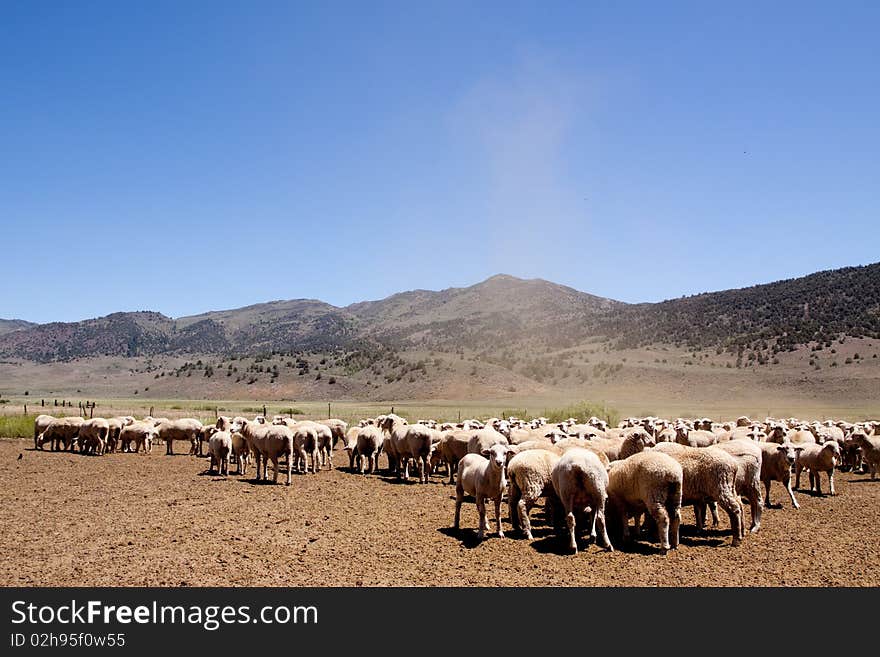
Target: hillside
{"x":7,"y":325}
{"x":496,"y":315}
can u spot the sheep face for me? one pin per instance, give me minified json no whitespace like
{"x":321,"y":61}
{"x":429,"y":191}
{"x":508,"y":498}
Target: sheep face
{"x":791,"y":452}
{"x":497,"y":455}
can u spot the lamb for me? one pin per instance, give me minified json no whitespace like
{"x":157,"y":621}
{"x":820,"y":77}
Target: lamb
{"x":610,"y":446}
{"x":817,"y":459}
{"x":185,"y":429}
{"x":801,"y":437}
{"x":776,"y":462}
{"x":368,"y":446}
{"x":528,"y":475}
{"x":709,"y":474}
{"x":748,"y":457}
{"x":647,"y":482}
{"x":483,"y":476}
{"x":219,"y":449}
{"x":870,"y":446}
{"x":307,"y":436}
{"x":41,"y":423}
{"x":241,"y":452}
{"x":580,"y":482}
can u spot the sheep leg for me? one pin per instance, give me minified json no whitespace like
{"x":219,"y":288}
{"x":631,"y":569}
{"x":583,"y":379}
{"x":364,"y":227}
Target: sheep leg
{"x":275,"y":469}
{"x":289,"y":469}
{"x":713,"y":507}
{"x":513,"y":500}
{"x":481,"y":509}
{"x":522,"y":516}
{"x":797,"y":476}
{"x":661,"y":518}
{"x":459,"y":498}
{"x":734,"y":511}
{"x":570,"y":523}
{"x":498,"y":516}
{"x":674,"y":524}
{"x":830,"y":480}
{"x":603,"y":531}
{"x":757,"y":509}
{"x":452,"y":468}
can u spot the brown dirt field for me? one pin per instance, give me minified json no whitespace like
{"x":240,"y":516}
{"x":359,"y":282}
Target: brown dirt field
{"x":154,"y":520}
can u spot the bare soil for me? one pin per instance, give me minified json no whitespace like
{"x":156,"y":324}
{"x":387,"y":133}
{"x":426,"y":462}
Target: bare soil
{"x":155,"y":520}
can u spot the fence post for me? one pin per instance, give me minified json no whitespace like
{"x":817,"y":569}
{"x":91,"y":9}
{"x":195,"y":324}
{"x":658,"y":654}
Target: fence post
{"x":328,"y":410}
{"x":216,"y":413}
{"x":151,"y":411}
{"x":25,"y":409}
{"x":42,"y":402}
{"x":92,"y":412}
{"x":264,"y":410}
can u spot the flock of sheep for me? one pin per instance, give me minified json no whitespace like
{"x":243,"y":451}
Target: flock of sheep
{"x":596,"y":477}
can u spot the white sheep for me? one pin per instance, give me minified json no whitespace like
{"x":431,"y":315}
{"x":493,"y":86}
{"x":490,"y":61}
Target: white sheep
{"x":776,"y":462}
{"x":528,"y":479}
{"x":748,"y":457}
{"x":219,"y":449}
{"x":580,"y":482}
{"x":648,"y":482}
{"x":817,"y":459}
{"x":368,"y":446}
{"x":709,"y":474}
{"x":452,"y":447}
{"x":870,"y":448}
{"x":483,"y":476}
{"x":241,"y":452}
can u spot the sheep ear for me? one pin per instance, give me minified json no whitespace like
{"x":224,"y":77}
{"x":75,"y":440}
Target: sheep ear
{"x":485,"y":453}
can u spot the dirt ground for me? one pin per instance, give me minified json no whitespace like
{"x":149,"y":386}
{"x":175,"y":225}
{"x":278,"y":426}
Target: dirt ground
{"x":155,"y":520}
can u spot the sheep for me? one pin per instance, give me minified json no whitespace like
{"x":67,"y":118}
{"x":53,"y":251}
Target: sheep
{"x":268,"y":442}
{"x":482,"y":475}
{"x":528,"y":478}
{"x":776,"y":462}
{"x":748,"y":457}
{"x":420,"y":440}
{"x":63,"y":431}
{"x":142,"y":434}
{"x":41,"y":423}
{"x":801,"y":437}
{"x":695,"y":438}
{"x":116,"y":425}
{"x":368,"y":446}
{"x":338,"y":428}
{"x":395,"y":445}
{"x":185,"y":429}
{"x":636,"y":441}
{"x":349,"y":443}
{"x":92,"y":436}
{"x":610,"y":446}
{"x":870,"y":446}
{"x":709,"y":474}
{"x":483,"y":439}
{"x":581,"y":482}
{"x":452,"y":447}
{"x":816,"y":459}
{"x":241,"y":452}
{"x":307,"y":437}
{"x":219,"y":449}
{"x":647,"y":482}
{"x":585,"y":431}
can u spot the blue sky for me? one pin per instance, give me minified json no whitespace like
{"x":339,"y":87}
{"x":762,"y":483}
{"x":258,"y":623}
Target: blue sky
{"x":184,"y":157}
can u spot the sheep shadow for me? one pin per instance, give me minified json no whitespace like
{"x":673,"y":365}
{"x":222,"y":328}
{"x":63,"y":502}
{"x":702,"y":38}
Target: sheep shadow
{"x":467,"y":536}
{"x":867,"y":480}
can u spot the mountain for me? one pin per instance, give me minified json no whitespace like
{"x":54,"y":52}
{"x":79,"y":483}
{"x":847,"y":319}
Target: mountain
{"x":8,"y":325}
{"x":500,"y":319}
{"x":818,"y":307}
